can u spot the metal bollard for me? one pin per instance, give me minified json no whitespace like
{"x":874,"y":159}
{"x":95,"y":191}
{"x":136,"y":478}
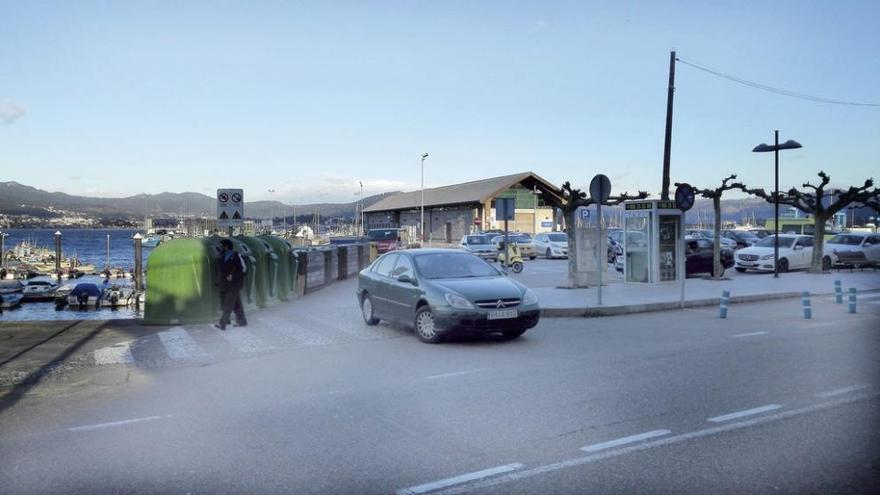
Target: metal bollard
{"x":838,"y":292}
{"x":725,"y":300}
{"x":852,"y":300}
{"x":805,"y":300}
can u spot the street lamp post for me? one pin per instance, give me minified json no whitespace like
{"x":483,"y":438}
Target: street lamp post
{"x":361,"y":208}
{"x":271,"y":210}
{"x":422,"y":226}
{"x":763,"y":148}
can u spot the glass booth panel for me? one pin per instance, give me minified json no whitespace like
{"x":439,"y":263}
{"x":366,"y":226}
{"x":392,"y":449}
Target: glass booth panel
{"x":668,"y":243}
{"x":637,"y":246}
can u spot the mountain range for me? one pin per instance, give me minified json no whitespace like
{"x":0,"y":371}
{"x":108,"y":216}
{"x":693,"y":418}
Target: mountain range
{"x":18,"y":200}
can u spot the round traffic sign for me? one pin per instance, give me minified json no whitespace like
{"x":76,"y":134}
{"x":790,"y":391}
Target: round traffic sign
{"x":223,"y":197}
{"x":684,"y":197}
{"x":600,"y":188}
{"x":236,"y":198}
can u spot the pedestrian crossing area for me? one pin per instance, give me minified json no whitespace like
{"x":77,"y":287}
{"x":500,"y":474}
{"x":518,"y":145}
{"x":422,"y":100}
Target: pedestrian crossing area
{"x":197,"y":344}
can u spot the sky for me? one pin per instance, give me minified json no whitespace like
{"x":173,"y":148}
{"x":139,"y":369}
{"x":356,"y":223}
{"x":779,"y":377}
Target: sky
{"x":309,"y":98}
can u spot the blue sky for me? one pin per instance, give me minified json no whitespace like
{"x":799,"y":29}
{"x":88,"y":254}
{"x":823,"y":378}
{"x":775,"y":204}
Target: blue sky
{"x":308,"y":98}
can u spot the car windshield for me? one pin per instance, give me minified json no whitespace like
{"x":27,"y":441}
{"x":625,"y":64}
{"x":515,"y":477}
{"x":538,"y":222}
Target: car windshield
{"x":383,"y":235}
{"x":477,"y":239}
{"x":558,"y":237}
{"x":848,"y":240}
{"x":784,"y":242}
{"x":453,"y":265}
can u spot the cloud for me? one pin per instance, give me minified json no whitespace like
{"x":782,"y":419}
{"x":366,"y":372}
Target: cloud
{"x":10,"y":112}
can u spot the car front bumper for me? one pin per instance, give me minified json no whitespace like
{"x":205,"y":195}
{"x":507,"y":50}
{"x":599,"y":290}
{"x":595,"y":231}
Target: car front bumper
{"x":477,"y":320}
{"x":760,"y":265}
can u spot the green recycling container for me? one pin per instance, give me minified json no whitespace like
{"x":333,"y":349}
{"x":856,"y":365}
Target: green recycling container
{"x":287,"y":266}
{"x":265,"y":271}
{"x":180,"y":284}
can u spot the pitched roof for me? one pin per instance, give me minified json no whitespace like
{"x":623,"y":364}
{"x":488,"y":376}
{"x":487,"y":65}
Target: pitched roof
{"x":477,"y":191}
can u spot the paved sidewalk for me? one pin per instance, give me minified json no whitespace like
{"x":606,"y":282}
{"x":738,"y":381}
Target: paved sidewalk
{"x":620,"y":298}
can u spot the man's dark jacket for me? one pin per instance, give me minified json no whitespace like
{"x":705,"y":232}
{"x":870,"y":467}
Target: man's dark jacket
{"x":232,"y":271}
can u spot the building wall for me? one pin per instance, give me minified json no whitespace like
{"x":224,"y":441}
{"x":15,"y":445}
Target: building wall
{"x":459,"y":218}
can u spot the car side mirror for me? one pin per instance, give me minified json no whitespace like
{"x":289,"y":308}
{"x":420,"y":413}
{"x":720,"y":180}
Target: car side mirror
{"x":798,"y":248}
{"x":868,"y":244}
{"x":406,"y":279}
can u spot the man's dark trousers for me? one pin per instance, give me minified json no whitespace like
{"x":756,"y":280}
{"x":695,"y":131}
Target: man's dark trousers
{"x":231,"y":302}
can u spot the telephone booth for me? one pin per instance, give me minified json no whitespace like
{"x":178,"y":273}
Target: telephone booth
{"x":653,"y":242}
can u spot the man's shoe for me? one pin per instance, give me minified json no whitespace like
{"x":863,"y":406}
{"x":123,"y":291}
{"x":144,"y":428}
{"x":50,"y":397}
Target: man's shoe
{"x":237,"y":324}
{"x":221,"y":327}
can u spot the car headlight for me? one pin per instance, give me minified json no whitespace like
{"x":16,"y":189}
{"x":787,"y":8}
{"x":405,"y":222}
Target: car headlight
{"x":529,"y":297}
{"x":767,"y":257}
{"x":457,"y":301}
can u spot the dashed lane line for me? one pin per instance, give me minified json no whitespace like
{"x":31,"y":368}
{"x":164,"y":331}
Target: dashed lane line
{"x":841,"y":391}
{"x":625,"y":440}
{"x":749,"y":334}
{"x":715,"y":430}
{"x":747,"y":412}
{"x":453,"y":374}
{"x":457,"y":480}
{"x":111,"y":424}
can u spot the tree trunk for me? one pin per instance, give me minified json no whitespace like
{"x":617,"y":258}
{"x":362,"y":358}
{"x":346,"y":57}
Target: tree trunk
{"x":818,"y":242}
{"x":717,"y":269}
{"x":570,"y":222}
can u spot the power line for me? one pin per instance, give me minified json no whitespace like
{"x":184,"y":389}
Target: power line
{"x":778,"y":91}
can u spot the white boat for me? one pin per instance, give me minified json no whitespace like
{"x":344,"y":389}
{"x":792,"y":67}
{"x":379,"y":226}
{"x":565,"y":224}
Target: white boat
{"x":117,"y":297}
{"x":10,"y":300}
{"x":39,"y":290}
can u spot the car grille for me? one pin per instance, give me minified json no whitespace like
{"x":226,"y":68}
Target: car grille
{"x":493,"y":303}
{"x":748,"y":257}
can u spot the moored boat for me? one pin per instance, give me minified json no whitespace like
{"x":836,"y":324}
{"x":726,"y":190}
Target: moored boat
{"x":39,"y":290}
{"x":117,"y":296}
{"x":10,"y":300}
{"x":84,"y":296}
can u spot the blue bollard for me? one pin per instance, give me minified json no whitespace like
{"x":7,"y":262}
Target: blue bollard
{"x":725,"y":300}
{"x":852,"y":300}
{"x":838,"y":292}
{"x":805,"y":300}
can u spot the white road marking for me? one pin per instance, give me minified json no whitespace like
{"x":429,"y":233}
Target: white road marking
{"x":449,"y":375}
{"x":245,"y":341}
{"x":464,"y":478}
{"x":625,"y":440}
{"x":841,"y":391}
{"x":662,"y":442}
{"x":180,"y":345}
{"x":117,"y":423}
{"x":747,"y":412}
{"x":750,"y":334}
{"x":823,"y":324}
{"x":116,"y":354}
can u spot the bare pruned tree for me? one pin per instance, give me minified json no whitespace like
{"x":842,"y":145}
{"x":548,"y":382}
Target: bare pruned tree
{"x":822,"y":204}
{"x":574,"y":198}
{"x":715,"y":196}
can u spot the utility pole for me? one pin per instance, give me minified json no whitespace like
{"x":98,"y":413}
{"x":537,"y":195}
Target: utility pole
{"x":422,"y":220}
{"x":667,"y":146}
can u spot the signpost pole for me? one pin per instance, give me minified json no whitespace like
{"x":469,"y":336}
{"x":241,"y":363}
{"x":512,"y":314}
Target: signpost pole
{"x":603,"y":264}
{"x":506,"y":253}
{"x":600,"y":190}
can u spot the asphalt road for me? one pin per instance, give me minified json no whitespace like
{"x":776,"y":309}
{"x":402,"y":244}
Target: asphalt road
{"x":667,"y":402}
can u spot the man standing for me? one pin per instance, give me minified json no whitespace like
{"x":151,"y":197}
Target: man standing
{"x":231,"y":273}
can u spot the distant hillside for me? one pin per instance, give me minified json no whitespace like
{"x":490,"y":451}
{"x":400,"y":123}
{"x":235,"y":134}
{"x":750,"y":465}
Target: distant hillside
{"x":19,"y":200}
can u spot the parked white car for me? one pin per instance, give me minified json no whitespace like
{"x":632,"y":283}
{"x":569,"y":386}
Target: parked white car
{"x":795,"y":251}
{"x":551,"y":244}
{"x":852,"y":248}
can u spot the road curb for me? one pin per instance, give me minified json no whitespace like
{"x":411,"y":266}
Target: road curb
{"x":600,"y":311}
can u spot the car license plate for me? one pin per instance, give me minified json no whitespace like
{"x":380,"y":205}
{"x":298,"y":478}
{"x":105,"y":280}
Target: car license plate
{"x":502,"y":314}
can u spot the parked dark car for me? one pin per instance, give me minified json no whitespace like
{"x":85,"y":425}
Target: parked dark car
{"x":700,"y":253}
{"x":442,"y":291}
{"x":743,"y":238}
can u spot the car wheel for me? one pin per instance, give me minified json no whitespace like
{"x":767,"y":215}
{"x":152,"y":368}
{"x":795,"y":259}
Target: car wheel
{"x":367,"y":310}
{"x":516,"y":267}
{"x":782,"y":266}
{"x":826,"y":263}
{"x":512,"y":334}
{"x":548,"y":254}
{"x":741,"y":270}
{"x":426,"y":328}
